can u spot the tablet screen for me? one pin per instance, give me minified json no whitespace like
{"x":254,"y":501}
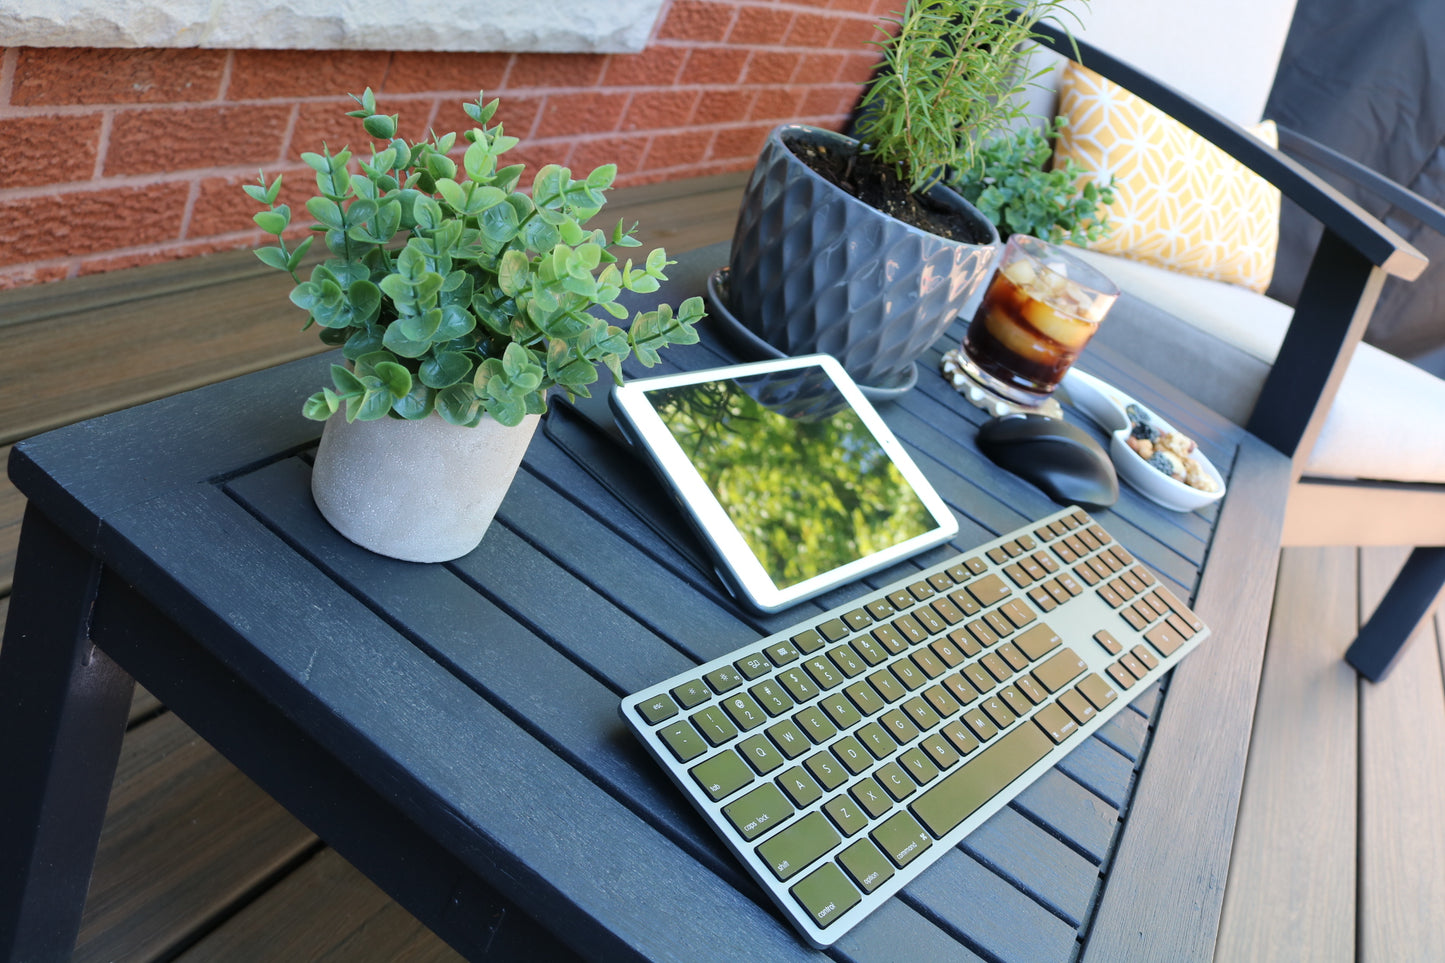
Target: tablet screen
{"x":809,"y":481}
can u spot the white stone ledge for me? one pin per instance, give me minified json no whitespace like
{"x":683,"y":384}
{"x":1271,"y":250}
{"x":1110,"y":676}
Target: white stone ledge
{"x":594,"y":26}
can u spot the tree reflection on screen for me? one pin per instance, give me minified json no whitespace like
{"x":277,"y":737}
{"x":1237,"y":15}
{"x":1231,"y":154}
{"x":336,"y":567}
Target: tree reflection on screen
{"x":807,"y":494}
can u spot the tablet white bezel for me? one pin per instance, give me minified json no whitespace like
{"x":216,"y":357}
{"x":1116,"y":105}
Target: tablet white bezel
{"x":738,"y":566}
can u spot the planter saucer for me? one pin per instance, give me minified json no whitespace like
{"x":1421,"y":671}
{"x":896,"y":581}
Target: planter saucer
{"x":747,"y":343}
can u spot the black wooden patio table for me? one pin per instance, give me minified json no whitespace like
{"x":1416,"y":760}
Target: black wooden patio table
{"x":452,"y":729}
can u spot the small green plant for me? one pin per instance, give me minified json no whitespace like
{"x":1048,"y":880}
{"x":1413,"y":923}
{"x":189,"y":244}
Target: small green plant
{"x":452,"y":291}
{"x":952,"y":74}
{"x":1010,"y":183}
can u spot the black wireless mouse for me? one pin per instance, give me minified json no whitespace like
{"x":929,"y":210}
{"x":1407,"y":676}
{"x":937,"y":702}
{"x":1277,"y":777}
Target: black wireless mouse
{"x":1066,"y":462}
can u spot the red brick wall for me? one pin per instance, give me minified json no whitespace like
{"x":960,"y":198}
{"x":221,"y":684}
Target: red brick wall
{"x":116,"y":157}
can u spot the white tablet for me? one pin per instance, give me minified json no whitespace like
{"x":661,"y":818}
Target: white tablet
{"x":788,"y":473}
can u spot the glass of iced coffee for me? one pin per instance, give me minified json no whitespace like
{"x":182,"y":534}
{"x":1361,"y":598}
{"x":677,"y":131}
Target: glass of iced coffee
{"x":1039,"y":311}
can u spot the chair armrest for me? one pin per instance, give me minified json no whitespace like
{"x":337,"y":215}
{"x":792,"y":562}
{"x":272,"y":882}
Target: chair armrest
{"x":1317,"y":154}
{"x":1356,"y":226}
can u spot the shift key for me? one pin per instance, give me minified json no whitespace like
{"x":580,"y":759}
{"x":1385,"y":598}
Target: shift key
{"x":1060,"y":670}
{"x":799,"y":846}
{"x":963,"y":791}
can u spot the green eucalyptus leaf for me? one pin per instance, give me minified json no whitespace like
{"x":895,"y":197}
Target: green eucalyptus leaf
{"x":427,"y":212}
{"x":439,"y":165}
{"x":402,"y":152}
{"x":360,"y":211}
{"x":321,"y":405}
{"x":479,"y":161}
{"x":500,"y":223}
{"x":444,"y":369}
{"x":401,"y":290}
{"x":394,"y":377}
{"x":417,"y":404}
{"x":380,"y":126}
{"x":583,"y":286}
{"x":457,"y":404}
{"x":375,"y":403}
{"x":419,"y":327}
{"x":453,"y":193}
{"x":327,"y":212}
{"x":273,"y":221}
{"x":602,"y":178}
{"x":387,"y":159}
{"x":388,"y":219}
{"x":456,"y":322}
{"x":521,"y":368}
{"x":548,"y":185}
{"x":306,"y":295}
{"x":395,"y":340}
{"x":514,"y":273}
{"x":623,"y":237}
{"x":274,"y":257}
{"x":507,"y":178}
{"x":363,"y":342}
{"x":363,"y":186}
{"x":508,"y":409}
{"x":552,"y":216}
{"x":572,"y":233}
{"x":365,"y":365}
{"x":541,"y":236}
{"x":294,"y":261}
{"x":488,"y":197}
{"x":347,"y":384}
{"x":602,"y":339}
{"x":367,"y":101}
{"x":411,"y":263}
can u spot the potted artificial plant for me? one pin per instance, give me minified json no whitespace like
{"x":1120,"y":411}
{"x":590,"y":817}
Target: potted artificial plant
{"x":457,"y":302}
{"x":856,"y":247}
{"x":1012,"y":184}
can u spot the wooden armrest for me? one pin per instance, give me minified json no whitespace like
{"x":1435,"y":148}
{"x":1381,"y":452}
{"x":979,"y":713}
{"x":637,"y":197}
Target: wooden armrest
{"x":1356,"y":226}
{"x":1313,"y":152}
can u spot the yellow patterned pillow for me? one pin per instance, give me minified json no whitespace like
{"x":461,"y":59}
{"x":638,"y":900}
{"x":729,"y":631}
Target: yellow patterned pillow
{"x":1182,"y":203}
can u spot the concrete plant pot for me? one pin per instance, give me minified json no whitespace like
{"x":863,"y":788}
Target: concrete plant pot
{"x":421,"y":491}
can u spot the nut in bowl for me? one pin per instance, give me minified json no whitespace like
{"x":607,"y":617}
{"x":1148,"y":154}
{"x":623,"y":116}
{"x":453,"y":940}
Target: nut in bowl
{"x":1160,"y":463}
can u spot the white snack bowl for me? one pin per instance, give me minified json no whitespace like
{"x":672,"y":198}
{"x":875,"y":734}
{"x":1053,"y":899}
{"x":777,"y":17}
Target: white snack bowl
{"x":1107,"y":406}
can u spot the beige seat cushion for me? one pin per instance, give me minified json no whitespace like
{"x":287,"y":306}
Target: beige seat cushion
{"x":1388,"y":418}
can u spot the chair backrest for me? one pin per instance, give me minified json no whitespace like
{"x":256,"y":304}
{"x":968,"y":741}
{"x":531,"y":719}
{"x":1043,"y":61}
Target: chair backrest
{"x":1340,"y":290}
{"x":1222,"y":53}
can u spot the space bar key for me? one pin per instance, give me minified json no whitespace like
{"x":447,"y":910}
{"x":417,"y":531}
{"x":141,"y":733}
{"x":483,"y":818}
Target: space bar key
{"x":960,"y":795}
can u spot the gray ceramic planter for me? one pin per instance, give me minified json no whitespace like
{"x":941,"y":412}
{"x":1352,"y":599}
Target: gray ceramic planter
{"x":814,"y":269}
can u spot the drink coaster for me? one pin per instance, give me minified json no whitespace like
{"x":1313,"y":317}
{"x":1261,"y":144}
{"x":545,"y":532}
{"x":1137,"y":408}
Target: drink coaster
{"x":957,"y":370}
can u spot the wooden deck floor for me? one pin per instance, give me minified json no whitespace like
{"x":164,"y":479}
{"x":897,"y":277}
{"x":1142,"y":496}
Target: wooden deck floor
{"x":1340,"y":846}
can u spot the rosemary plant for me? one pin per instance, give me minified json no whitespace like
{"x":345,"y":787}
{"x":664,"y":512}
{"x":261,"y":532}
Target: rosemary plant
{"x":952,"y":74}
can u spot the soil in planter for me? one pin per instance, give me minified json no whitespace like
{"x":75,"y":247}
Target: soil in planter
{"x":877,"y":185}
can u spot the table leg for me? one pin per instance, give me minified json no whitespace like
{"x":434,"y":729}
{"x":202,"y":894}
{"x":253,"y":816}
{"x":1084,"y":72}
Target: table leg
{"x":1409,"y":599}
{"x":63,"y":708}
